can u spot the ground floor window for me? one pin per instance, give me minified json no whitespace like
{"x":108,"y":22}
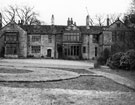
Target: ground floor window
{"x":35,"y":49}
{"x":11,"y":49}
{"x":71,"y":50}
{"x":95,"y":51}
{"x":84,"y":49}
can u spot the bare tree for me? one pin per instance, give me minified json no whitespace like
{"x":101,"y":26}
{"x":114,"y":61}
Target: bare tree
{"x":25,"y":13}
{"x":114,"y":17}
{"x":132,"y":7}
{"x":100,"y":20}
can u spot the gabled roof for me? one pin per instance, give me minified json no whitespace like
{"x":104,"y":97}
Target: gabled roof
{"x":11,"y":26}
{"x":122,"y":26}
{"x":43,"y":29}
{"x":48,"y":29}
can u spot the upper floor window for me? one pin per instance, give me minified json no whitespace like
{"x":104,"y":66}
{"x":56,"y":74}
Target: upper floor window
{"x":71,"y":37}
{"x":95,"y":39}
{"x":11,"y":37}
{"x":118,"y":24}
{"x":49,"y":38}
{"x":36,"y":38}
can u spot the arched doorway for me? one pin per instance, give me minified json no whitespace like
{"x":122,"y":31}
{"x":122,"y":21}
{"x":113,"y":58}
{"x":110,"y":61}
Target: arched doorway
{"x":49,"y":51}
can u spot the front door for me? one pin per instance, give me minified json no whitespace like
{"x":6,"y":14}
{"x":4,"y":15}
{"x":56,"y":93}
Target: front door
{"x":49,"y":51}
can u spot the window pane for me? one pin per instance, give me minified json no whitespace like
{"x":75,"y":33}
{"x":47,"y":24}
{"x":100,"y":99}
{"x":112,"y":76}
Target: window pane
{"x":11,"y":49}
{"x":36,"y":38}
{"x":49,"y":38}
{"x":35,"y":49}
{"x":77,"y":50}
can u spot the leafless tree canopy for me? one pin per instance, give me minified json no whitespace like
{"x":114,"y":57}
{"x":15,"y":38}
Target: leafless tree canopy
{"x":25,"y":14}
{"x":100,"y":20}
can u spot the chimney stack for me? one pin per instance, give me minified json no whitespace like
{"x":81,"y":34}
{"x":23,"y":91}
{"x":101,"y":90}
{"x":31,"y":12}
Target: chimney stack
{"x":75,"y":23}
{"x":108,"y":21}
{"x":87,"y":22}
{"x":71,"y":21}
{"x":52,"y":20}
{"x":22,"y":22}
{"x":68,"y":22}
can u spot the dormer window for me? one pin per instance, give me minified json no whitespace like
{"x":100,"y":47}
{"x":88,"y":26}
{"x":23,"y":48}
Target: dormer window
{"x":118,"y":25}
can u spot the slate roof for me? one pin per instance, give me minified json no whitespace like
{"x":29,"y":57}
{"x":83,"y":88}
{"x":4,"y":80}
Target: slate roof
{"x":48,"y":29}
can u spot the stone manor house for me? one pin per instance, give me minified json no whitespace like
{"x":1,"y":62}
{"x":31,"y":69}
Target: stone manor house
{"x":63,"y":41}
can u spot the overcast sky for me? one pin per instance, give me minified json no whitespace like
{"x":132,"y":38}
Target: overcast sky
{"x":62,"y":9}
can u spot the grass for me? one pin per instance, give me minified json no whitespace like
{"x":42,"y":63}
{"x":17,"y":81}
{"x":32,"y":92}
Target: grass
{"x":13,"y":71}
{"x":81,"y":83}
{"x":80,"y":71}
{"x":128,"y":74}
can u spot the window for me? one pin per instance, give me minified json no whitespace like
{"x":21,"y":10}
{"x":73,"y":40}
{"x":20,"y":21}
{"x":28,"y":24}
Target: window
{"x":35,"y":49}
{"x":95,"y":51}
{"x":84,"y":49}
{"x":11,"y":38}
{"x":71,"y":37}
{"x":49,"y":38}
{"x":36,"y":38}
{"x":72,"y":50}
{"x":118,"y":24}
{"x":11,"y":49}
{"x":95,"y":39}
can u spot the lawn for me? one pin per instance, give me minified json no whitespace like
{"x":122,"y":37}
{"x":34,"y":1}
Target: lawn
{"x":128,"y":74}
{"x":98,"y":83}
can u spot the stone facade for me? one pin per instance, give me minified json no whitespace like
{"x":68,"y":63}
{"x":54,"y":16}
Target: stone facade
{"x":19,"y":43}
{"x":45,"y":44}
{"x":64,"y":42}
{"x":117,"y":38}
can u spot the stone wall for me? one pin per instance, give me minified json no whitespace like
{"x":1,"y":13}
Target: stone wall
{"x":13,"y":27}
{"x":45,"y":45}
{"x":90,"y":47}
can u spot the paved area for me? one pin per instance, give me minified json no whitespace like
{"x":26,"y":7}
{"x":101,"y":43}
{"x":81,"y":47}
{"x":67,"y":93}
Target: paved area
{"x":37,"y":96}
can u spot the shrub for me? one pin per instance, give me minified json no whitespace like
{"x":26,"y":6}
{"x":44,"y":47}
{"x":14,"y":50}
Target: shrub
{"x":114,"y":61}
{"x":101,"y":60}
{"x":127,"y":61}
{"x":121,"y":60}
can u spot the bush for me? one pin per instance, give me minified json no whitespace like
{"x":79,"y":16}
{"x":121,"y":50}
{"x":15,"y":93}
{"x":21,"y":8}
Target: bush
{"x":114,"y":61}
{"x":127,"y":61}
{"x":121,"y":60}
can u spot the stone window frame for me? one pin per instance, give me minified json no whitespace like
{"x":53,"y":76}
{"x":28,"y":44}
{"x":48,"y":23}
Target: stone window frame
{"x":36,"y":49}
{"x":36,"y":38}
{"x":71,"y":37}
{"x":49,"y":38}
{"x":11,"y":36}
